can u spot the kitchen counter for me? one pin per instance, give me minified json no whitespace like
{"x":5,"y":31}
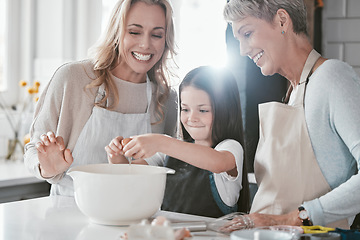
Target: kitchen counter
{"x":14,"y":173}
{"x":58,"y":217}
{"x":17,"y":183}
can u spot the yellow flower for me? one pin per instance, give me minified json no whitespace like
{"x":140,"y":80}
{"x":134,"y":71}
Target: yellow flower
{"x":33,"y":89}
{"x":30,"y":90}
{"x":22,"y":83}
{"x":26,"y":138}
{"x":36,"y":87}
{"x":24,"y":106}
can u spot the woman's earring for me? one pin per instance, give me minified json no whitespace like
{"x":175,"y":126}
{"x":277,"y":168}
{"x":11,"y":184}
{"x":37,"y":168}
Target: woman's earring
{"x":282,"y":32}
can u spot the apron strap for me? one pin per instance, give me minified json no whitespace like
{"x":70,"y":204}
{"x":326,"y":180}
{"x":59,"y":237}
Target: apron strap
{"x":300,"y":88}
{"x":148,"y":93}
{"x":309,"y":64}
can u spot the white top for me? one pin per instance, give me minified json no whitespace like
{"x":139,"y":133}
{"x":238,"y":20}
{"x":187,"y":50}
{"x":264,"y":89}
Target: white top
{"x":228,"y":187}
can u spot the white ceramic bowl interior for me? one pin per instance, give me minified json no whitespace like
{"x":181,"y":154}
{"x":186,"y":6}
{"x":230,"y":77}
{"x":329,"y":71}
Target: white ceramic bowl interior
{"x":119,"y":194}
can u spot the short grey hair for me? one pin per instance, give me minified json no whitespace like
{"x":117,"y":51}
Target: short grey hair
{"x":236,"y":10}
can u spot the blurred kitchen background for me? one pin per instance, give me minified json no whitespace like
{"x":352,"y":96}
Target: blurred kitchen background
{"x":37,"y":36}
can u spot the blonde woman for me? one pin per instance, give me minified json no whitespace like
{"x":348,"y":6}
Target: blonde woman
{"x":121,"y":91}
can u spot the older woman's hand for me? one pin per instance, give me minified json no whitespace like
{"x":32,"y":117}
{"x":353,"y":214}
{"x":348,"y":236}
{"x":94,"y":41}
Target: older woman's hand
{"x":259,"y":220}
{"x":290,"y":218}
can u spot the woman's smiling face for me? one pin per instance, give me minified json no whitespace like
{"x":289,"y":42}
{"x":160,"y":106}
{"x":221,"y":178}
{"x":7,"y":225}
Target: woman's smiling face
{"x":144,"y":39}
{"x":262,"y":42}
{"x":197,"y":114}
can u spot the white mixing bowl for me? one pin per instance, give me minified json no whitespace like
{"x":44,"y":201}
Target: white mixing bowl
{"x":119,"y":194}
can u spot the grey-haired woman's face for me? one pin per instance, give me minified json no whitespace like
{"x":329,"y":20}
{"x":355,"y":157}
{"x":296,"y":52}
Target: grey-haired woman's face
{"x":262,"y":42}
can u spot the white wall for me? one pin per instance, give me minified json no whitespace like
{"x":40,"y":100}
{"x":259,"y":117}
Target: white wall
{"x":341,"y":31}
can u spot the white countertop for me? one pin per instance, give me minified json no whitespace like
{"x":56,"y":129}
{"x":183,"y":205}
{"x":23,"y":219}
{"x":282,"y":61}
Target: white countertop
{"x":58,"y":217}
{"x":15,"y":173}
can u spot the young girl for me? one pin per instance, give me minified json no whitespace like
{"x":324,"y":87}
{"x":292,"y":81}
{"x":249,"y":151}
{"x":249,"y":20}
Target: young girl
{"x":209,"y":163}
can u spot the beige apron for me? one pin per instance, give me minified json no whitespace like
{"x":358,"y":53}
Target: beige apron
{"x":103,"y":126}
{"x":286,"y":169}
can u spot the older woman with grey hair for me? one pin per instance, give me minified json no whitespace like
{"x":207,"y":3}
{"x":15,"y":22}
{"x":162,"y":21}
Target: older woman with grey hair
{"x":308,"y":154}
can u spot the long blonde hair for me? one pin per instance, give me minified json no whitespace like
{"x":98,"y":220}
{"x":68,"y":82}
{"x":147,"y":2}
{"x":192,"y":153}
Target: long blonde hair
{"x":105,"y":55}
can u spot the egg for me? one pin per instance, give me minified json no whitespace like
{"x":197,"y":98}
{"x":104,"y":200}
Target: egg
{"x":125,"y":141}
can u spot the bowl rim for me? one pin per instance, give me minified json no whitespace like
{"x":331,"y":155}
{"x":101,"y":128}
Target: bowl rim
{"x":163,"y":170}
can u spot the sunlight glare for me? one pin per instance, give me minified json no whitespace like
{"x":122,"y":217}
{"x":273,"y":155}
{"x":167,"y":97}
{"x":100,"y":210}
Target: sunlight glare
{"x":201,"y":36}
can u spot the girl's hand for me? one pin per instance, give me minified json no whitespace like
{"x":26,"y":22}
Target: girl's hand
{"x":53,"y":157}
{"x":144,"y":146}
{"x":115,"y":151}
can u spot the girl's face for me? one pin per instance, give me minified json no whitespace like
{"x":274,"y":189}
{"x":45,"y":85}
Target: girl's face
{"x":144,"y":39}
{"x":262,"y":42}
{"x":197,"y":114}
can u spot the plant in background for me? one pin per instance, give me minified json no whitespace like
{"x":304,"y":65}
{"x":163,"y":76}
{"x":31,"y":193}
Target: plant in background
{"x":25,"y":105}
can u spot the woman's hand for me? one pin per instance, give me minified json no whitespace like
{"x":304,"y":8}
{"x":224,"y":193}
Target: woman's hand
{"x":115,"y":151}
{"x":53,"y":157}
{"x":260,"y":220}
{"x":290,"y":218}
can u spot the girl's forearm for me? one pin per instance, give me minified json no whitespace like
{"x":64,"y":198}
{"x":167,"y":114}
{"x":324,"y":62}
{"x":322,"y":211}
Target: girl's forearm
{"x":197,"y":155}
